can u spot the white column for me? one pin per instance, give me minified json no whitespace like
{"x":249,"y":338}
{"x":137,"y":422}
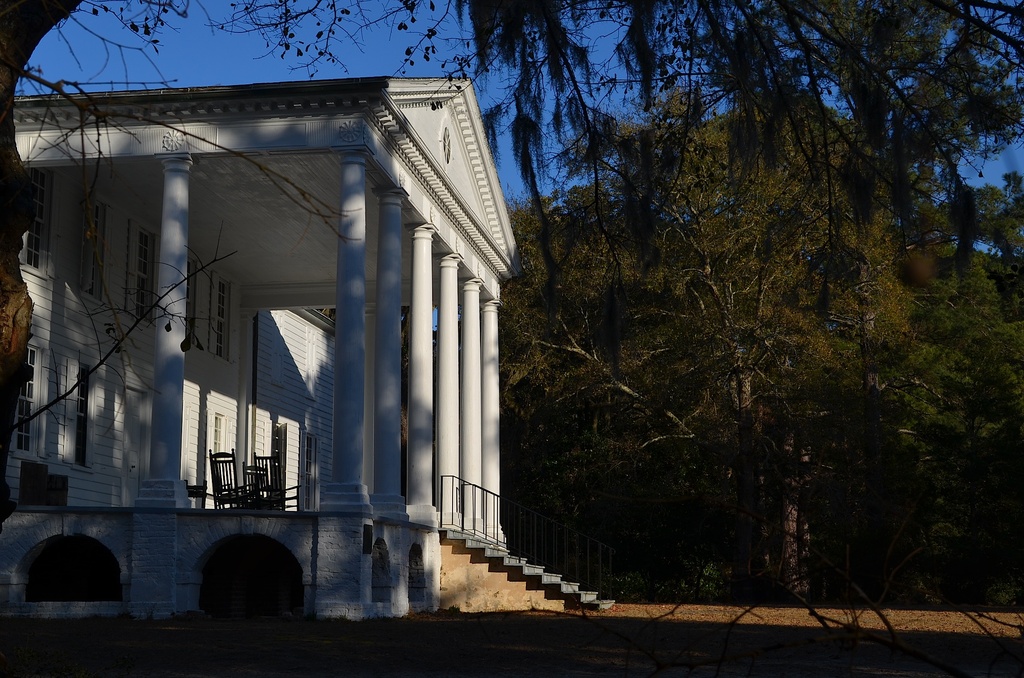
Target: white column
{"x":421,"y":380}
{"x":346,"y":490}
{"x":490,"y":396}
{"x":244,"y":403}
{"x":474,"y":505}
{"x":164,"y":486}
{"x":490,"y":400}
{"x":387,"y":496}
{"x":371,"y":344}
{"x":448,"y":386}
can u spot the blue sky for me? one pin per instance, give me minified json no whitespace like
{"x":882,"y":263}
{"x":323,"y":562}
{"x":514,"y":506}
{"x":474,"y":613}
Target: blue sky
{"x":101,"y":54}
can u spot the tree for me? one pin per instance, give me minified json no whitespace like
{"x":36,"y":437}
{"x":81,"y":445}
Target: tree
{"x":719,"y":345}
{"x":22,"y":26}
{"x":920,"y":90}
{"x":736,"y":384}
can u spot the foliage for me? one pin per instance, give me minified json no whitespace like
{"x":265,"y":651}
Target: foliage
{"x":813,"y":404}
{"x":758,"y":312}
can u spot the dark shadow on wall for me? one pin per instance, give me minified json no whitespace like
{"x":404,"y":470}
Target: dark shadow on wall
{"x":251,"y":576}
{"x":76,"y":568}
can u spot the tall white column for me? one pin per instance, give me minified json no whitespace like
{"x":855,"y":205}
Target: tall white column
{"x":490,"y":455}
{"x":244,"y":401}
{"x":371,"y":345}
{"x":490,"y":400}
{"x":164,"y":486}
{"x":448,"y":386}
{"x":387,"y":496}
{"x":346,"y":489}
{"x":474,"y":504}
{"x":421,"y":380}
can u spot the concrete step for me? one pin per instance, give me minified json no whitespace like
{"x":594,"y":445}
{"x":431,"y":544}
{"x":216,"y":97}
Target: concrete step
{"x":550,"y":578}
{"x":474,"y":543}
{"x":588,"y":599}
{"x":532,"y":570}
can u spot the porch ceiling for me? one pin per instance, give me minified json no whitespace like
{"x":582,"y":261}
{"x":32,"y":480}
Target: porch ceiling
{"x":275,"y":215}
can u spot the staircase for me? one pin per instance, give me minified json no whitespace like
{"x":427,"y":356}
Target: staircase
{"x":520,"y":545}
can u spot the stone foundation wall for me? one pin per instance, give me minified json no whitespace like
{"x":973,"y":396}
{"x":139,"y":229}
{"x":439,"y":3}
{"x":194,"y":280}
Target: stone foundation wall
{"x":161,"y":555}
{"x":472,"y":583}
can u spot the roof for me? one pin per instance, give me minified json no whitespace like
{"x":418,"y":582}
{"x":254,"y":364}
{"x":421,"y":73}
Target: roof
{"x":425,"y":135}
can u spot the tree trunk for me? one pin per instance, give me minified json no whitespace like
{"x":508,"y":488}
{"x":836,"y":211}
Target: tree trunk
{"x":872,"y":393}
{"x":745,"y":471}
{"x":793,"y":559}
{"x":23,"y":23}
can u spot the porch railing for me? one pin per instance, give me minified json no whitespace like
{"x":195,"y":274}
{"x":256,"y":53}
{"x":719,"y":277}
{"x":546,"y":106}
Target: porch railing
{"x":480,"y":513}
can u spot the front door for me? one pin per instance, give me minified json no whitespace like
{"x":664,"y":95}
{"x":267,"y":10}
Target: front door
{"x":136,"y":442}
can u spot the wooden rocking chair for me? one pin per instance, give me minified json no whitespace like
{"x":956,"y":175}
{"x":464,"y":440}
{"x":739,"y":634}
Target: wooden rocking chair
{"x":274,"y":495}
{"x":227,"y":493}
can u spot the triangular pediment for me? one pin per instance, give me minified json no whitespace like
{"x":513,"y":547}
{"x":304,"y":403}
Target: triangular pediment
{"x":445,"y":117}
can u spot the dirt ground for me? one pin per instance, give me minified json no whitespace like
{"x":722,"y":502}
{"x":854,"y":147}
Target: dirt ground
{"x":628,"y":640}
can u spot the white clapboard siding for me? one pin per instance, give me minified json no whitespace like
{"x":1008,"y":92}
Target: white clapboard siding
{"x":295,"y":386}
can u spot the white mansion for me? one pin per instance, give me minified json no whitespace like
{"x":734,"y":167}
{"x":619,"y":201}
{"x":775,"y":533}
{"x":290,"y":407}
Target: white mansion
{"x":228,"y":219}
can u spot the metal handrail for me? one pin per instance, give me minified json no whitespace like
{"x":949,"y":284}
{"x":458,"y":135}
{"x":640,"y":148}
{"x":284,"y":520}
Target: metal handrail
{"x":480,"y":513}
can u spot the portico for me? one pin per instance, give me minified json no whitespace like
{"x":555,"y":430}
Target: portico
{"x":375,"y":198}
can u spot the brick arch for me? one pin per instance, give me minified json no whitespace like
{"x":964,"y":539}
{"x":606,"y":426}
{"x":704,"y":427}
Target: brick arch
{"x":110,"y":536}
{"x":251,"y":575}
{"x":74,"y":568}
{"x":381,"y":583}
{"x":199,"y":541}
{"x":417,"y":587}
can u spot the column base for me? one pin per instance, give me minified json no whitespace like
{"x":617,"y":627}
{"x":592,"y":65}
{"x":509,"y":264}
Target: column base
{"x":344,"y":497}
{"x":162,"y":494}
{"x":451,"y":521}
{"x":389,"y":506}
{"x":423,"y":514}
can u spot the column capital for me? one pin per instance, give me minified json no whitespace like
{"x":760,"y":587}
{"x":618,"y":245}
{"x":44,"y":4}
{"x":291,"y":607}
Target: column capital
{"x":424,"y":232}
{"x":390,"y":194}
{"x":493,"y":305}
{"x":451,"y":260}
{"x":473,"y":284}
{"x":177,"y":162}
{"x":352,"y":155}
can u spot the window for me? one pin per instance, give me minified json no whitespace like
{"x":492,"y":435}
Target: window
{"x":26,"y":404}
{"x":307,"y":481}
{"x":82,"y":416}
{"x":279,"y":443}
{"x":140,"y":283}
{"x":220,"y":308}
{"x":95,"y":229}
{"x":446,"y":146}
{"x":34,"y":250}
{"x":217,"y":444}
{"x":192,"y":305}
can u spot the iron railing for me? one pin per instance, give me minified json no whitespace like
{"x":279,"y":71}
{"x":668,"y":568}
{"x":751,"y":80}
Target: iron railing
{"x":525,"y":533}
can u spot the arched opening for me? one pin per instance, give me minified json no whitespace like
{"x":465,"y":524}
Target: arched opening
{"x":380,"y":573}
{"x":417,"y":575}
{"x":251,"y":576}
{"x":75,"y":568}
